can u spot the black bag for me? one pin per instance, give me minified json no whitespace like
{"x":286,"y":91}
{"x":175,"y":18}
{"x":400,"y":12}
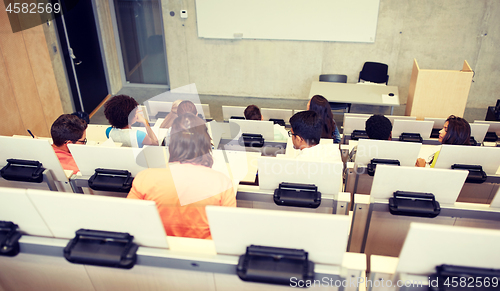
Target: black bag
{"x":111,"y":180}
{"x":23,"y":170}
{"x":374,"y":162}
{"x":414,"y":204}
{"x":410,"y":137}
{"x":476,"y":173}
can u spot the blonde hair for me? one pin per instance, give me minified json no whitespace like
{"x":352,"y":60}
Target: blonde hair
{"x":167,"y":123}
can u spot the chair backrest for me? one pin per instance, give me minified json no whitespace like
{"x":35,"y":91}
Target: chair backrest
{"x":335,"y":78}
{"x":374,"y":72}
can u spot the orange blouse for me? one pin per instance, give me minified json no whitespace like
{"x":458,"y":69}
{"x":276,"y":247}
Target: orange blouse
{"x":181,"y":193}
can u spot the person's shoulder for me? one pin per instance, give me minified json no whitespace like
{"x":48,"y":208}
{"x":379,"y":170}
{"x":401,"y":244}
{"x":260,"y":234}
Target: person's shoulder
{"x":152,"y":174}
{"x":212,"y":174}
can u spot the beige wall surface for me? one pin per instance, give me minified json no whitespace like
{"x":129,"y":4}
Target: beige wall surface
{"x":439,"y":34}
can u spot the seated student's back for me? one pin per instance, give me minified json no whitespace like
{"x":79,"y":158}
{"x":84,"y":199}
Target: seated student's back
{"x":122,"y":111}
{"x":377,"y":127}
{"x":320,"y":105}
{"x":67,"y":129}
{"x":188,"y":184}
{"x":252,"y":112}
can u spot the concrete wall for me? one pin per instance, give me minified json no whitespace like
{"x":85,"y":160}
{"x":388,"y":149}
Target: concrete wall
{"x":109,"y":45}
{"x":439,"y":34}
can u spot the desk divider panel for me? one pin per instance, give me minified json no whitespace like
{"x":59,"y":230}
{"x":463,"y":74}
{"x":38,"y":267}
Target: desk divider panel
{"x":327,"y":176}
{"x":405,"y":152}
{"x":496,"y":201}
{"x":16,"y":206}
{"x":156,"y":156}
{"x":89,"y":158}
{"x":275,"y":113}
{"x":438,"y":122}
{"x":494,"y":125}
{"x":324,"y":236}
{"x":412,"y":126}
{"x":478,"y":131}
{"x":228,"y":111}
{"x":394,"y":117}
{"x":65,"y":214}
{"x":265,"y":128}
{"x":352,"y":123}
{"x":427,"y":246}
{"x":154,"y":107}
{"x":243,"y":165}
{"x":487,"y":157}
{"x":97,"y":132}
{"x":444,"y":184}
{"x":31,"y":149}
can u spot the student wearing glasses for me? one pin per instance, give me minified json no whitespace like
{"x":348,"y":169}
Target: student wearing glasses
{"x":307,"y":127}
{"x":68,"y":129}
{"x":456,"y":131}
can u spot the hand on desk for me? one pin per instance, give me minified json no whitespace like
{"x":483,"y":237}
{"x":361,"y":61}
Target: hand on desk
{"x":420,"y":163}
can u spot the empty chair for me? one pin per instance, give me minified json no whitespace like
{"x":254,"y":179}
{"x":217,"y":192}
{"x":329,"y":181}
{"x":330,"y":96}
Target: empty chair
{"x":374,"y":72}
{"x":336,"y":78}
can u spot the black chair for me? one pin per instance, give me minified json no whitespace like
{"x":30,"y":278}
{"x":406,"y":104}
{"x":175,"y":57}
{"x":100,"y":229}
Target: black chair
{"x":374,"y":72}
{"x":336,"y":78}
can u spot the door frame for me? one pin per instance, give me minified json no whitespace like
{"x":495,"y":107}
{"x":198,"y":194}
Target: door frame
{"x":71,"y":77}
{"x":125,"y":83}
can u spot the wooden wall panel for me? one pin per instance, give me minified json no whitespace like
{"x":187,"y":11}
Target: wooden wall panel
{"x":43,"y":73}
{"x":29,"y":97}
{"x":12,"y":123}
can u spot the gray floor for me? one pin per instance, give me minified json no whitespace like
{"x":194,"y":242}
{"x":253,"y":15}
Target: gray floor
{"x":215,"y":102}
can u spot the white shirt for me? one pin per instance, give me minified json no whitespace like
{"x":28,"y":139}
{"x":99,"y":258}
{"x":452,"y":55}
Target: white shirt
{"x":322,"y":152}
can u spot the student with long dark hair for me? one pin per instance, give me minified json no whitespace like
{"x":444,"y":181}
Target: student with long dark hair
{"x":320,"y":105}
{"x":183,"y":189}
{"x":456,"y":131}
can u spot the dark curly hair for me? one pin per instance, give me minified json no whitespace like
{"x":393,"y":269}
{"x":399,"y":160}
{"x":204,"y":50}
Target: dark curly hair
{"x":118,"y":108}
{"x":378,"y":127}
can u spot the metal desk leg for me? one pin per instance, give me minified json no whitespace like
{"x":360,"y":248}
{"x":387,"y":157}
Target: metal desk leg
{"x":49,"y":179}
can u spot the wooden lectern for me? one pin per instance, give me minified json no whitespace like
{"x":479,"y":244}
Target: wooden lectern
{"x":438,"y":93}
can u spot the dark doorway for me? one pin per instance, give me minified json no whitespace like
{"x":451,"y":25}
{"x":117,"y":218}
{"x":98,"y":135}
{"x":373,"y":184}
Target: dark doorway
{"x":82,"y":55}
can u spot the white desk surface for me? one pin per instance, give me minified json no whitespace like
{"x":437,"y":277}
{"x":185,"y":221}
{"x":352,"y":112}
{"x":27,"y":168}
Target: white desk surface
{"x":31,"y":149}
{"x":324,"y":236}
{"x":66,"y":213}
{"x":370,"y":94}
{"x":444,"y":184}
{"x":15,"y":206}
{"x":428,"y":245}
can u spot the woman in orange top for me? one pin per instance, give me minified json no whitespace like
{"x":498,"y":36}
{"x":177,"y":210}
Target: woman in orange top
{"x":188,"y":184}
